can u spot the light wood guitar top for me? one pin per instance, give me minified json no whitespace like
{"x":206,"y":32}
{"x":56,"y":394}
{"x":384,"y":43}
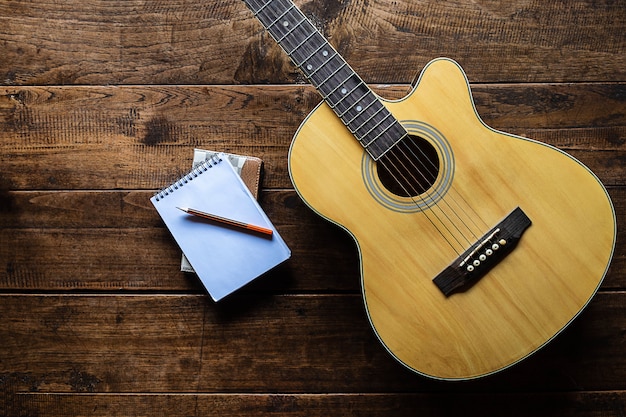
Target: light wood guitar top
{"x":527,"y":298}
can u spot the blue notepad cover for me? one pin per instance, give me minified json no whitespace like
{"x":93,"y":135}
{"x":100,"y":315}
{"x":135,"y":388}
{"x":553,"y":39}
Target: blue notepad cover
{"x":224,"y":258}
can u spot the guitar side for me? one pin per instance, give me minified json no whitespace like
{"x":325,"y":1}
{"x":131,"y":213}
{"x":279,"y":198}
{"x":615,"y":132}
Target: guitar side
{"x":518,"y":306}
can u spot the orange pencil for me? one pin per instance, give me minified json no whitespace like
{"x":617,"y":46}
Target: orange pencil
{"x":230,"y":222}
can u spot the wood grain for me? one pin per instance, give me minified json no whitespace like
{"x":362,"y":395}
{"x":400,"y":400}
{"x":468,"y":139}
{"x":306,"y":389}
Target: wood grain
{"x":261,"y":344}
{"x":306,"y":405}
{"x":186,"y":42}
{"x":405,"y":241}
{"x":140,"y":137}
{"x":41,"y":232}
{"x":101,"y":103}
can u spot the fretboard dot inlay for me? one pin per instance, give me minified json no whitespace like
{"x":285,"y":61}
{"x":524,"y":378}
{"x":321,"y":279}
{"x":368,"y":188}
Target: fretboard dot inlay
{"x":344,"y":91}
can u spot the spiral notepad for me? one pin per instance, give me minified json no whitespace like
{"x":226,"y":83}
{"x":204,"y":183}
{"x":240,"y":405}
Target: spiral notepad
{"x":224,"y":258}
{"x":247,"y":167}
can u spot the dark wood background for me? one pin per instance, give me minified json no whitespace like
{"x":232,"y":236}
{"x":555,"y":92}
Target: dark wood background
{"x":102,"y":102}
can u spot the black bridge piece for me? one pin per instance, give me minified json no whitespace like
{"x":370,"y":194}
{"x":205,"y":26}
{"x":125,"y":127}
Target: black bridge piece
{"x":487,"y":252}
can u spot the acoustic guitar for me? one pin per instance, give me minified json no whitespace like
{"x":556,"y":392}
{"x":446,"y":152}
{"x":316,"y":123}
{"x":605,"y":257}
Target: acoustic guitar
{"x":476,"y":247}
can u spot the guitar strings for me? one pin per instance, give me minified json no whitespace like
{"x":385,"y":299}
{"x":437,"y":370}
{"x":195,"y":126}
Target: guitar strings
{"x":407,"y":153}
{"x":413,"y":193}
{"x":447,"y":224}
{"x":438,"y":194}
{"x":436,"y":191}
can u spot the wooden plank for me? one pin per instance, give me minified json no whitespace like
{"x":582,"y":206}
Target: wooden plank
{"x":149,"y":260}
{"x":115,"y":240}
{"x":103,"y":102}
{"x":186,"y":42}
{"x":568,"y":404}
{"x":262,"y":344}
{"x":140,"y":137}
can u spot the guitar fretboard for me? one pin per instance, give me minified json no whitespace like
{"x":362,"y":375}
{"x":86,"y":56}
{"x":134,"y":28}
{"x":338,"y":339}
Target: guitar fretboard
{"x":343,"y":90}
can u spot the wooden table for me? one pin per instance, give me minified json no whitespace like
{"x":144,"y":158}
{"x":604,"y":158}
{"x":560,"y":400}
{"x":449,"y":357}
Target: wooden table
{"x":102,"y":103}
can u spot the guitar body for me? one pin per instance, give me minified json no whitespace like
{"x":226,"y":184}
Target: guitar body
{"x":404,"y":242}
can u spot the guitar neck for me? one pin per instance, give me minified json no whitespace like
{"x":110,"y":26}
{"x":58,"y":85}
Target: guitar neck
{"x":359,"y":108}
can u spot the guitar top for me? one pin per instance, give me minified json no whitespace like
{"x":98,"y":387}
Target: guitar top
{"x":477,"y":247}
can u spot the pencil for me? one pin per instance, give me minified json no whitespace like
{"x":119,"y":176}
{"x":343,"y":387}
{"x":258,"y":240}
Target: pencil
{"x":230,"y":222}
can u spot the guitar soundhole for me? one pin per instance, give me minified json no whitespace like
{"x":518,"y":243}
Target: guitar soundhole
{"x":410,"y":168}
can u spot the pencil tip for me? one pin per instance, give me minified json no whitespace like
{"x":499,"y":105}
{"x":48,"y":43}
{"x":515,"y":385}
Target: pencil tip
{"x":183,"y":209}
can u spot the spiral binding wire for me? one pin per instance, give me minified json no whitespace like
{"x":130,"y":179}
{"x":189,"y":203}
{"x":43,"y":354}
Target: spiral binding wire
{"x":197,"y":170}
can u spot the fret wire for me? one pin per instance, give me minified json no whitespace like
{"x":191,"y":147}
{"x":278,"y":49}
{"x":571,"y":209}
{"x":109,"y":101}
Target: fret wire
{"x":370,"y":118}
{"x":322,"y":65}
{"x":298,"y":63}
{"x":265,"y":13}
{"x":376,"y":126}
{"x":332,"y":75}
{"x":373,"y":122}
{"x":314,"y":52}
{"x":370,"y":149}
{"x":386,"y":147}
{"x":302,"y":43}
{"x":268,"y":16}
{"x":297,"y":25}
{"x":367,"y":92}
{"x":382,"y":150}
{"x":298,"y":53}
{"x":379,"y":136}
{"x":280,"y":17}
{"x":349,"y":93}
{"x":351,"y":75}
{"x":350,"y":83}
{"x":345,"y":96}
{"x":284,"y":34}
{"x":362,"y":111}
{"x":262,"y":7}
{"x":343,"y":90}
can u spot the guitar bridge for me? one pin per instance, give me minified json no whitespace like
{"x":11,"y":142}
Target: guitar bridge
{"x":486,"y":253}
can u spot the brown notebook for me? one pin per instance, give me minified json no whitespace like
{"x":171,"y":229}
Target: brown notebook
{"x":249,"y":169}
